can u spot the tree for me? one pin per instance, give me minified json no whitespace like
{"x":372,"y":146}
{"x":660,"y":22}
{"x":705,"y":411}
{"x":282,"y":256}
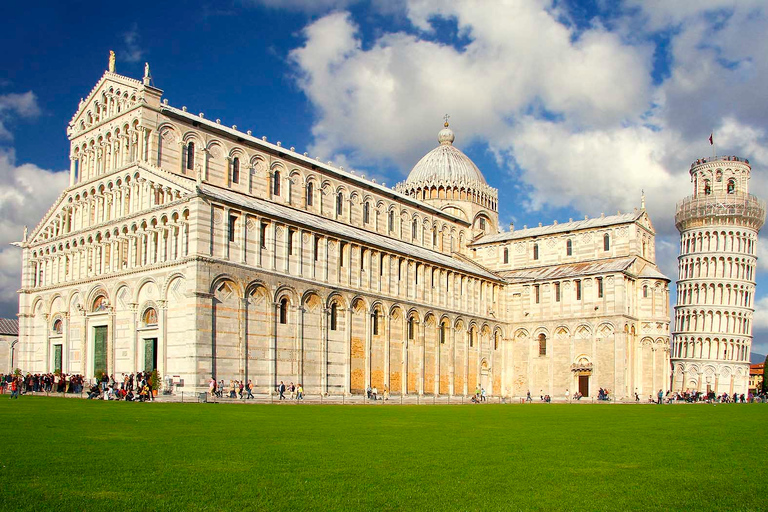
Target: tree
{"x":765,"y":381}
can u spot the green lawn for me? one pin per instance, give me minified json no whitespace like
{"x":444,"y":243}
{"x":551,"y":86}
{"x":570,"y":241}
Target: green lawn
{"x":67,"y":454}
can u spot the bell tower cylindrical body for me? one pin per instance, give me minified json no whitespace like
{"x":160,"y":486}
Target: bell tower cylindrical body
{"x":718,"y":228}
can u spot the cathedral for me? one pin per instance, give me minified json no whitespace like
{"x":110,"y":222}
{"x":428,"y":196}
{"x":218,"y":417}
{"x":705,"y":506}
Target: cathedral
{"x":199,"y":250}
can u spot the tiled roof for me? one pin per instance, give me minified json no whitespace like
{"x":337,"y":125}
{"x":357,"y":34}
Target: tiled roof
{"x":568,"y":271}
{"x":344,"y":231}
{"x":552,"y":229}
{"x":9,"y":326}
{"x":652,"y":273}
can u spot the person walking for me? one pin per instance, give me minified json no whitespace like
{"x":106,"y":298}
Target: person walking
{"x":14,"y":389}
{"x":300,"y":392}
{"x":528,"y":397}
{"x":249,"y":389}
{"x":281,"y":390}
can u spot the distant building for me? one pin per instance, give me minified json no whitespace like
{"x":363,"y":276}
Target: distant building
{"x":756,"y":376}
{"x":9,"y":335}
{"x":718,"y":225}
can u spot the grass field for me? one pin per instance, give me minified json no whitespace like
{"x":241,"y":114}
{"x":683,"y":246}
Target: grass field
{"x":67,"y":454}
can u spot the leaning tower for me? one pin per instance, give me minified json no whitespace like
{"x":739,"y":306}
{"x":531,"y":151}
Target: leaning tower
{"x":718,"y":227}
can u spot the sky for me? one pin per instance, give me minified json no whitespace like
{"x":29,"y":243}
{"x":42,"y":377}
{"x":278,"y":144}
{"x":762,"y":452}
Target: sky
{"x":569,"y":108}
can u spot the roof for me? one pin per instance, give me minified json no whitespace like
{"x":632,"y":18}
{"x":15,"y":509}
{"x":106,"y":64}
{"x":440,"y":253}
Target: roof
{"x":446,"y":164}
{"x":599,"y":222}
{"x":9,"y":326}
{"x":344,"y":231}
{"x":569,"y":270}
{"x":651,"y":272}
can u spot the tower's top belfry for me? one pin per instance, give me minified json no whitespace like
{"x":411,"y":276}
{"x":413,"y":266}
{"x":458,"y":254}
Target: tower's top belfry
{"x":720,"y":195}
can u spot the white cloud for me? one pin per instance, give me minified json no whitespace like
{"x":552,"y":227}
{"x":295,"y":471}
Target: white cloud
{"x":16,"y":104}
{"x":23,"y":202}
{"x":131,"y":51}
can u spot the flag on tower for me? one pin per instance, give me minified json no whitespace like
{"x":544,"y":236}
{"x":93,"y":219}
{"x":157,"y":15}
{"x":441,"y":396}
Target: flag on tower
{"x":711,"y":142}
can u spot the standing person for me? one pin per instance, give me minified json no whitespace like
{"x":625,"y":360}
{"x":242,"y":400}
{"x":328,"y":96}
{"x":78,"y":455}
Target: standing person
{"x":567,"y":395}
{"x":14,"y":389}
{"x":242,"y":387}
{"x":281,"y":390}
{"x":292,"y":389}
{"x":249,"y":388}
{"x":483,"y":398}
{"x":300,"y":392}
{"x":660,"y":395}
{"x":528,"y":397}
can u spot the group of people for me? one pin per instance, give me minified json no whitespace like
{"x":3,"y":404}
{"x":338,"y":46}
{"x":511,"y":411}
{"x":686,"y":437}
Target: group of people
{"x":43,"y":383}
{"x":236,"y":389}
{"x":297,"y":392}
{"x":132,"y":387}
{"x":373,"y":393}
{"x":479,"y":395}
{"x":711,"y":397}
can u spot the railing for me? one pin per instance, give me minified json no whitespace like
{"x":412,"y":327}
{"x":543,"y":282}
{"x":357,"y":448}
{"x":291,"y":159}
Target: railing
{"x":746,"y":206}
{"x":721,"y":158}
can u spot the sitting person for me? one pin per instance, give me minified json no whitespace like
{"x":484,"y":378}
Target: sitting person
{"x":94,"y":392}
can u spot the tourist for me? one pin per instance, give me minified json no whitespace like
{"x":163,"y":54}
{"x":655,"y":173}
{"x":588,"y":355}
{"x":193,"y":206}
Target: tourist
{"x":281,"y":390}
{"x":300,"y":392}
{"x":566,"y":395}
{"x":15,"y":389}
{"x":483,"y":398}
{"x":528,"y":396}
{"x":660,"y":395}
{"x":386,"y":393}
{"x":249,"y":389}
{"x":212,"y":387}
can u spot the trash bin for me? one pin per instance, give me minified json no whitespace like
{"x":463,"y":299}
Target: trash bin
{"x":202,"y":398}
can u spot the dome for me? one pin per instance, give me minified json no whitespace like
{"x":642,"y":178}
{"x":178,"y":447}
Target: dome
{"x":445,"y":164}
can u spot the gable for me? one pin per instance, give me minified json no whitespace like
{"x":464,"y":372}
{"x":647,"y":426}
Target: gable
{"x":58,"y":216}
{"x":112,"y":95}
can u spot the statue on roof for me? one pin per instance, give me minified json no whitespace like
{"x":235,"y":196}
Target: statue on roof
{"x":146,"y":73}
{"x":111,"y":67}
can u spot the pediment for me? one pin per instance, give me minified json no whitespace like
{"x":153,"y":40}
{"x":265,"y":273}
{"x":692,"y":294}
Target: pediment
{"x":645,"y":221}
{"x":50,"y":226}
{"x":115,"y":92}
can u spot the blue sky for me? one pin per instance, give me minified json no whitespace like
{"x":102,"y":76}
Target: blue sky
{"x":570,"y":108}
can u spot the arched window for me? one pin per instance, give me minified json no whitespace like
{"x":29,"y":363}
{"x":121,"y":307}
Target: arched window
{"x":707,"y":188}
{"x":535,"y":251}
{"x":542,"y":344}
{"x":645,"y":291}
{"x":496,"y":341}
{"x":606,"y":242}
{"x":391,"y":221}
{"x":471,"y":337}
{"x":57,"y":326}
{"x":506,"y":255}
{"x":482,"y":223}
{"x":276,"y":183}
{"x":284,"y":310}
{"x":375,"y":323}
{"x":149,"y":317}
{"x":342,"y":247}
{"x":414,"y":228}
{"x":100,"y":304}
{"x":236,"y":170}
{"x":569,"y":247}
{"x":442,"y":333}
{"x":731,"y":186}
{"x":310,"y":193}
{"x":191,"y":156}
{"x":334,"y":316}
{"x":719,"y":176}
{"x":411,"y":327}
{"x":339,"y":203}
{"x":366,"y":212}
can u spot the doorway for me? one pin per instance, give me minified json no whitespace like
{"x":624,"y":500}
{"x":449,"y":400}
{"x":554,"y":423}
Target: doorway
{"x":57,"y":358}
{"x":150,"y":354}
{"x":99,"y":350}
{"x":584,"y":385}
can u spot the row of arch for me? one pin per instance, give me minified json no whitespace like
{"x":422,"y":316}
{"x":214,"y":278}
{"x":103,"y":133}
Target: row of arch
{"x":109,"y":103}
{"x":692,"y":294}
{"x":685,"y":347}
{"x":722,"y":267}
{"x":717,"y":241}
{"x":120,"y":196}
{"x":727,"y":322}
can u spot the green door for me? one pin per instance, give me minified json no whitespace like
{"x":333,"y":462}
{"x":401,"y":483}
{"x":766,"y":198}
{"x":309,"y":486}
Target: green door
{"x":99,"y":350}
{"x":150,"y":354}
{"x":57,"y":359}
